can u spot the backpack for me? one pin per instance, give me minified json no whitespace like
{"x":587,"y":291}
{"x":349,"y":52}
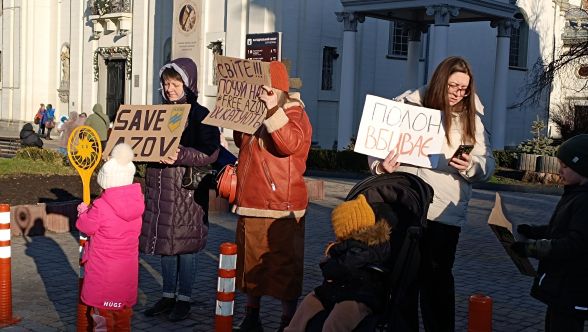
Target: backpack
{"x":38,"y":117}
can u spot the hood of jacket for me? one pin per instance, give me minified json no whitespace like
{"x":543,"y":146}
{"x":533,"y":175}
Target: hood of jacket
{"x":187,"y":70}
{"x":27,"y":130}
{"x":126,"y":201}
{"x":97,"y":109}
{"x":376,"y":234}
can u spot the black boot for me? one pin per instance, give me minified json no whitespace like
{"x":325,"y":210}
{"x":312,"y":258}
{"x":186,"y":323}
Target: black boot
{"x":251,"y":322}
{"x":163,"y":306}
{"x":180,"y":312}
{"x":284,"y":322}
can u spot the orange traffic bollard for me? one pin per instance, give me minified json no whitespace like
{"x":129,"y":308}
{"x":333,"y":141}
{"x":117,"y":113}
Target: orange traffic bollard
{"x":480,"y":313}
{"x":6,"y":317}
{"x":225,"y":291}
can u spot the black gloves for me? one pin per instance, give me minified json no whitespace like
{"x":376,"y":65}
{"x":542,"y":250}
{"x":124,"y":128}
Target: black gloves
{"x":532,"y":248}
{"x":525,"y":230}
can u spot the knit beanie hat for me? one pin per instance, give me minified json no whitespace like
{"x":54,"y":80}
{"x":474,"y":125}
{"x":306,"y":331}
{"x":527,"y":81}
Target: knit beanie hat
{"x":574,"y":153}
{"x":119,"y":170}
{"x":279,"y":76}
{"x":352,"y":216}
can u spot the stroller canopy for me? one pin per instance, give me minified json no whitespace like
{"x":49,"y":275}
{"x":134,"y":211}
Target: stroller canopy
{"x":405,"y":192}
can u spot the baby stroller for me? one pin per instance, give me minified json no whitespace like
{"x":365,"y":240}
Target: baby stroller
{"x":409,"y":197}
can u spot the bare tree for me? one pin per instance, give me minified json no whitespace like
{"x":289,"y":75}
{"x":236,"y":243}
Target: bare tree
{"x":563,"y":67}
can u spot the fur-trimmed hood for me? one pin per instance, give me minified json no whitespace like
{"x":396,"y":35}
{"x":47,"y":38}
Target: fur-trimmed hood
{"x":377,"y":234}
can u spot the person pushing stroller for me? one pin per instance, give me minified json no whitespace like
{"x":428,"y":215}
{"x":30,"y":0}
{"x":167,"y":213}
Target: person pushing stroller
{"x":351,"y":289}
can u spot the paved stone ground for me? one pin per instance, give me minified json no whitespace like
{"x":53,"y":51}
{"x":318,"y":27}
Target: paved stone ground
{"x":44,"y":270}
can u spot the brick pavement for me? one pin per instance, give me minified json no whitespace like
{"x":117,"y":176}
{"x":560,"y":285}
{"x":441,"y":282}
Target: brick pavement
{"x":45,"y":271}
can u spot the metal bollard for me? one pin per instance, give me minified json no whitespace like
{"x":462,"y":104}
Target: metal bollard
{"x":480,"y":313}
{"x":225,"y":291}
{"x":6,"y":317}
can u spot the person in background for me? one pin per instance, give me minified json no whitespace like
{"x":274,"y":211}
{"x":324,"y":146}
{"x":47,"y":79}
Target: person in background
{"x":82,"y":118}
{"x":29,"y":138}
{"x":100,"y":122}
{"x":111,"y":255}
{"x":62,"y":121}
{"x":66,"y":130}
{"x":562,"y":245}
{"x":271,"y":202}
{"x":175,"y":223}
{"x":39,"y":119}
{"x":453,"y":92}
{"x":48,"y":121}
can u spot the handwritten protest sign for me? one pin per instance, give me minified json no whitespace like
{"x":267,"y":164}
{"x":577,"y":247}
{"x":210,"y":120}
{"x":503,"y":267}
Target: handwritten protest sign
{"x":416,"y":133}
{"x":153,"y":131}
{"x":502,"y":228}
{"x":239,"y":83}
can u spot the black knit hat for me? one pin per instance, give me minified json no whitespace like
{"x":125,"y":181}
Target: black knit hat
{"x":574,"y":153}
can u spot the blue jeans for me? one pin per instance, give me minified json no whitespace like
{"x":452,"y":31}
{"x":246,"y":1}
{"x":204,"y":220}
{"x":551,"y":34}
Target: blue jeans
{"x":178,"y":272}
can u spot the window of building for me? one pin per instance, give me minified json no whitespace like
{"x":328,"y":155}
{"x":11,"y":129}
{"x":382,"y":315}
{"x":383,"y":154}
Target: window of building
{"x":329,"y":56}
{"x":518,"y":46}
{"x":397,"y":41}
{"x":167,"y":50}
{"x":580,"y":118}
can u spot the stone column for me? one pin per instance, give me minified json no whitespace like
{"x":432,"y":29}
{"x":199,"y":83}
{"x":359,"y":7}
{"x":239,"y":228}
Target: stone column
{"x":347,"y":90}
{"x":500,"y":81}
{"x":442,"y":13}
{"x":412,"y":58}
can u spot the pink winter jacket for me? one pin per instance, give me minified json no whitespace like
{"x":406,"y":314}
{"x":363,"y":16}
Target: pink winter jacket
{"x":111,"y":256}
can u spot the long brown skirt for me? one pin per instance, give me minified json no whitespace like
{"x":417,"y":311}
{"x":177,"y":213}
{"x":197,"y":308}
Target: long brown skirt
{"x":270,"y":256}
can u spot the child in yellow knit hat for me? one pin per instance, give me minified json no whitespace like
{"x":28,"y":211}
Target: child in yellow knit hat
{"x":351,"y":290}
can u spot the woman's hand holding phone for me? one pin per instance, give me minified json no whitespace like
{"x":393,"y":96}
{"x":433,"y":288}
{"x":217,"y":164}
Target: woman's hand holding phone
{"x":461,"y":158}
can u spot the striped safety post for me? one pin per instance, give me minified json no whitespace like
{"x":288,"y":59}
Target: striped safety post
{"x":84,"y":318}
{"x":225,"y":291}
{"x":6,"y":317}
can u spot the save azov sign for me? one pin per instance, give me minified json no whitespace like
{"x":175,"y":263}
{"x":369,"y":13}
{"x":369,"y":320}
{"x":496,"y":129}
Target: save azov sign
{"x":153,"y":131}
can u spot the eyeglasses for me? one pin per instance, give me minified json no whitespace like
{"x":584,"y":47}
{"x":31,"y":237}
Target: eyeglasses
{"x":458,"y":90}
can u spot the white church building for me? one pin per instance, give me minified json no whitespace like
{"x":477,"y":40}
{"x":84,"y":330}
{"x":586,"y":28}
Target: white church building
{"x":73,"y":54}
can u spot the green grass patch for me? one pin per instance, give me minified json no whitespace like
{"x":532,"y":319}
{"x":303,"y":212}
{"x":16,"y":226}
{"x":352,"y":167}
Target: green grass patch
{"x":15,"y":166}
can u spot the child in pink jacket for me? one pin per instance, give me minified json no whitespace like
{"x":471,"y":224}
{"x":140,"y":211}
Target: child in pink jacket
{"x":111,"y":256}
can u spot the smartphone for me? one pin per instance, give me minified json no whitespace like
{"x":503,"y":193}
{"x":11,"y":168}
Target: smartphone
{"x":464,"y":148}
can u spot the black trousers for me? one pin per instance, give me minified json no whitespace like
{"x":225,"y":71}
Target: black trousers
{"x":436,"y":286}
{"x":556,"y":320}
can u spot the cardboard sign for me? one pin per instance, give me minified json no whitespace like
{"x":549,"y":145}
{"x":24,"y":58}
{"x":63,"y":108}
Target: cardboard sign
{"x":239,"y":83}
{"x":416,"y":133}
{"x":502,"y":228}
{"x":153,"y":131}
